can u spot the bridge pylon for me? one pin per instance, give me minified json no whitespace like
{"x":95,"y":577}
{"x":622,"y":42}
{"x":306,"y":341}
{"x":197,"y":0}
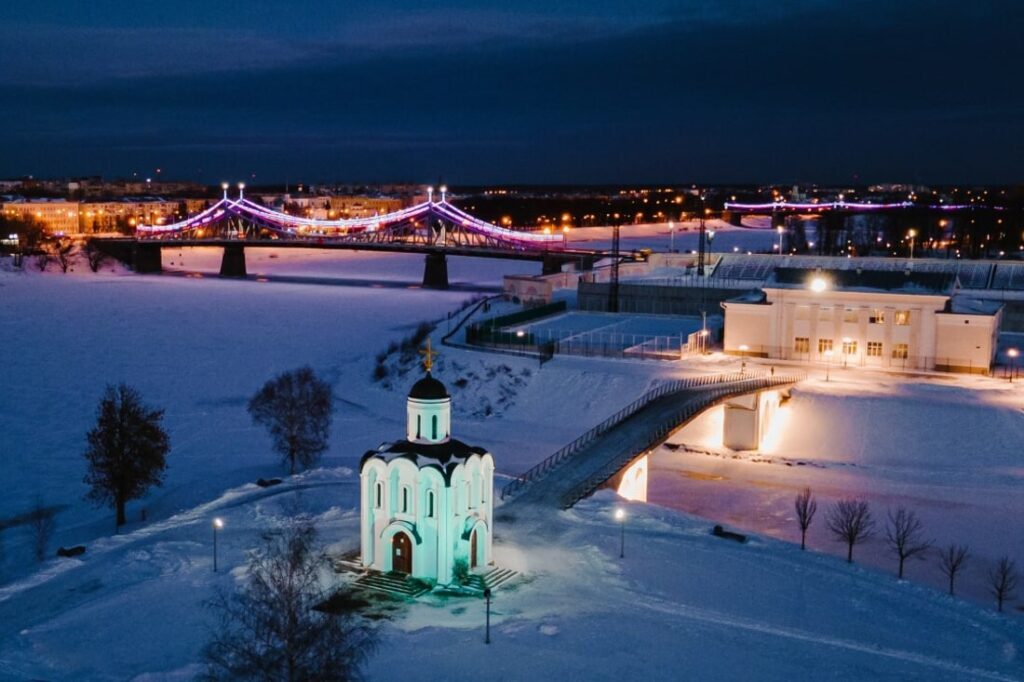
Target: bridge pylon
{"x":232,"y":264}
{"x":146,"y":258}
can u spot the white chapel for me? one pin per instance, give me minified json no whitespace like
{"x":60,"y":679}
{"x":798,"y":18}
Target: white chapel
{"x":426,"y":500}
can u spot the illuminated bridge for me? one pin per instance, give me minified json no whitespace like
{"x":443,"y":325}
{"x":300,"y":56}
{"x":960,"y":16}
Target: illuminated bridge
{"x":435,"y":228}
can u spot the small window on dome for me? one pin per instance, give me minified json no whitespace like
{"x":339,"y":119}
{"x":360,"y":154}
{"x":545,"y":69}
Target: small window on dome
{"x":418,"y":426}
{"x":433,"y":427}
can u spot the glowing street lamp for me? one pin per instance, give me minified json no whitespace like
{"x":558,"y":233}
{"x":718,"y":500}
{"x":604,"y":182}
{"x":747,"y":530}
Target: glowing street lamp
{"x":1012,"y":354}
{"x":620,"y":516}
{"x":818,"y":285}
{"x":218,"y":524}
{"x":224,"y":186}
{"x":912,"y":233}
{"x":780,"y":230}
{"x":671,"y":236}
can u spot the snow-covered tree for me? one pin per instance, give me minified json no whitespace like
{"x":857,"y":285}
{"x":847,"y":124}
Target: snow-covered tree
{"x":806,"y":507}
{"x":850,"y":521}
{"x":272,"y":630}
{"x":904,"y":534}
{"x":41,"y":522}
{"x":127,"y":449}
{"x":296,"y":408}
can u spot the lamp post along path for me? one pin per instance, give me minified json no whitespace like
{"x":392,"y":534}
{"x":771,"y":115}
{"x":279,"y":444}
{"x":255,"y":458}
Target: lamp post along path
{"x":218,"y":523}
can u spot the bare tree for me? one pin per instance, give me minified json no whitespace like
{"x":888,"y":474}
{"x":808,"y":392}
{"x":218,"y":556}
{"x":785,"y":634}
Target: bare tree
{"x":951,"y":561}
{"x":1002,"y":580}
{"x":64,"y":254}
{"x":42,"y":522}
{"x":905,"y":535}
{"x":43,"y":260}
{"x":127,"y":449}
{"x":272,"y":629}
{"x":806,"y":507}
{"x":850,"y":521}
{"x":296,"y":408}
{"x":94,"y":255}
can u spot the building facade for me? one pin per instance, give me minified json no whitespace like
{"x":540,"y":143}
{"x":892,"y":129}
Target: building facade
{"x":875,"y":319}
{"x":427,"y":500}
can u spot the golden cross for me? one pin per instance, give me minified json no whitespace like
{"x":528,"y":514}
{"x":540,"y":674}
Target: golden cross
{"x":428,"y":356}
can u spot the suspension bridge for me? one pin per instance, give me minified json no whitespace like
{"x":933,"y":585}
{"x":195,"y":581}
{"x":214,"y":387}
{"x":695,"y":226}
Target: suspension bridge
{"x":435,"y":228}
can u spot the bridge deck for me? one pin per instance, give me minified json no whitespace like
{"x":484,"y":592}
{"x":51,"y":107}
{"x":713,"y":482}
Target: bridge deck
{"x":575,"y":476}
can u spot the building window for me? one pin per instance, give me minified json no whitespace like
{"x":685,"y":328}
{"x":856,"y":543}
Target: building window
{"x":405,"y":499}
{"x":901,"y":318}
{"x":824,"y":345}
{"x":433,"y":427}
{"x":418,"y":427}
{"x":378,"y":495}
{"x":874,"y":349}
{"x":824,"y":314}
{"x":900,"y":351}
{"x":877,"y":316}
{"x":801,"y":344}
{"x":851,"y":315}
{"x":430,"y":504}
{"x":849,"y":347}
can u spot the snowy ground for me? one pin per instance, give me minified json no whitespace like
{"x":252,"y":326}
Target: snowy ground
{"x":682,"y":605}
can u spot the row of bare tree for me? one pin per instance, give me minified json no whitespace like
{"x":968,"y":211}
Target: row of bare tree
{"x":64,"y":253}
{"x":850,"y":521}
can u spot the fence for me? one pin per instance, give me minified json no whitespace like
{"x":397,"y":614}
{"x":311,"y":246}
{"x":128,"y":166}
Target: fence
{"x":490,"y":332}
{"x":625,"y":413}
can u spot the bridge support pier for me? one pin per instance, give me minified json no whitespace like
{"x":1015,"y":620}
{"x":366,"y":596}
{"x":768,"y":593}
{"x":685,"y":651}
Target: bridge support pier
{"x":631,"y":482}
{"x":146,"y":258}
{"x":233,"y":262}
{"x":551,"y":266}
{"x":734,"y":218}
{"x":778,"y":220}
{"x":435,"y":271}
{"x":748,"y":418}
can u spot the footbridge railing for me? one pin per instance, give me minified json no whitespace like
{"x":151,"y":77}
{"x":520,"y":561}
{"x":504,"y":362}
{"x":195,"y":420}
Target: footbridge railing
{"x":708,"y":390}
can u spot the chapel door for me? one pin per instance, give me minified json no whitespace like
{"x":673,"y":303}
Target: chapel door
{"x":472,"y":549}
{"x":401,"y":553}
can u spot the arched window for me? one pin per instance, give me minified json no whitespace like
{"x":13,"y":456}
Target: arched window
{"x":378,"y":495}
{"x":405,"y":499}
{"x":430,"y":504}
{"x":433,"y":427}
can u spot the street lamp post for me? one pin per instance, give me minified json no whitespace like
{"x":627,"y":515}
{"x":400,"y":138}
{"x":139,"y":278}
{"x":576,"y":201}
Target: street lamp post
{"x":828,"y":364}
{"x":218,"y":523}
{"x":487,"y":629}
{"x":780,"y":230}
{"x":912,"y":234}
{"x":743,"y":358}
{"x":671,"y":236}
{"x":620,"y":516}
{"x":1012,"y":353}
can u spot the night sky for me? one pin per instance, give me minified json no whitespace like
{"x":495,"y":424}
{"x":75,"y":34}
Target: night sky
{"x":532,"y":91}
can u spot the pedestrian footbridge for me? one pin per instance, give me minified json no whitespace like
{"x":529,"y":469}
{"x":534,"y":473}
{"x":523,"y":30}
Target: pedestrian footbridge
{"x":616,"y":449}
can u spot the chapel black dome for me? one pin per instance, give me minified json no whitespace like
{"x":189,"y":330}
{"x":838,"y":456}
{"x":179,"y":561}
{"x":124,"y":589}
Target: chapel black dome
{"x":428,"y":388}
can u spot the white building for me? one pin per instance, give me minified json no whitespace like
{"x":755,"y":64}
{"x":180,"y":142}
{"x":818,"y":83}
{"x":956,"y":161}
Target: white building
{"x":427,"y":500}
{"x":902,"y":319}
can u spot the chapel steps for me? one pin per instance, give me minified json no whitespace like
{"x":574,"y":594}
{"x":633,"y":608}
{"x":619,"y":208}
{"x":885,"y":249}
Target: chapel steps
{"x":393,"y":584}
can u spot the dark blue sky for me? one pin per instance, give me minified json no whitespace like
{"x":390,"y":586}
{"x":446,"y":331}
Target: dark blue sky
{"x":489,"y":92}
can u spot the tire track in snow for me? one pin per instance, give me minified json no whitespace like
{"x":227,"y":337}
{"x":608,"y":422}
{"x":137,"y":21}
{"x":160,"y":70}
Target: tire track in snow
{"x":740,"y":623}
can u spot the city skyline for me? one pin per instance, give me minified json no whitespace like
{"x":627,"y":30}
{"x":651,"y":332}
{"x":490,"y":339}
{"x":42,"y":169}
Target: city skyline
{"x":478,"y":93}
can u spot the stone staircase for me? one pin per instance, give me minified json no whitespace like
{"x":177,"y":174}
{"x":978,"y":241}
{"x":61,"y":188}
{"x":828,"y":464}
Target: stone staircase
{"x":392,"y":584}
{"x":492,"y":579}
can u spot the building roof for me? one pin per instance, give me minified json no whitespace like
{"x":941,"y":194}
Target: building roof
{"x":888,"y":281}
{"x":443,"y":456}
{"x":959,"y":305}
{"x":428,"y":388}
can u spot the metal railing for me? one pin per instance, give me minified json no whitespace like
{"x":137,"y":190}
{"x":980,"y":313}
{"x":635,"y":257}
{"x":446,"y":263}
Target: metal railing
{"x":646,"y":399}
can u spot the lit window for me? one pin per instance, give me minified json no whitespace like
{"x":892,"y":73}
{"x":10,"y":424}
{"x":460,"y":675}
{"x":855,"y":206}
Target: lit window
{"x":851,"y":315}
{"x":900,"y":351}
{"x":874,"y":349}
{"x":849,"y":347}
{"x":902,"y":318}
{"x":802,"y":344}
{"x":824,"y":345}
{"x":877,"y":316}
